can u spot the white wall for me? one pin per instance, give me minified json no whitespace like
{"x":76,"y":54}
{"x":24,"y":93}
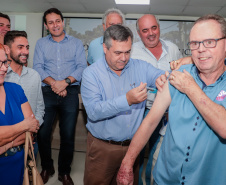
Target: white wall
{"x":34,"y":25}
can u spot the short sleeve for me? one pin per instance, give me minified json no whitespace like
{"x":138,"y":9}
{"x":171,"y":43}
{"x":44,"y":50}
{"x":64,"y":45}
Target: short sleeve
{"x":22,"y":96}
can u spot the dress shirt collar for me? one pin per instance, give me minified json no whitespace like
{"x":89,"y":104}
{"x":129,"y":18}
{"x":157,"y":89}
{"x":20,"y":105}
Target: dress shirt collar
{"x":24,"y":70}
{"x":109,"y":69}
{"x":101,"y":39}
{"x":164,"y":46}
{"x":196,"y":72}
{"x":65,"y":37}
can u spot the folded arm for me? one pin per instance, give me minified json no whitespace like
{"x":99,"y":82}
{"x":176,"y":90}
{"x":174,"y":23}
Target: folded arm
{"x":10,"y":133}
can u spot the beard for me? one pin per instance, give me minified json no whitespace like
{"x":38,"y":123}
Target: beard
{"x":17,"y":59}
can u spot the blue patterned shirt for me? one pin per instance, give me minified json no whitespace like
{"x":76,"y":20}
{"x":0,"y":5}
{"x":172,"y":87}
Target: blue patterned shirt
{"x":59,"y":59}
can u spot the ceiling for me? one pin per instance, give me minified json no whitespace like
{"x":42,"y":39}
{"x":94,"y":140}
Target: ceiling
{"x":159,"y":7}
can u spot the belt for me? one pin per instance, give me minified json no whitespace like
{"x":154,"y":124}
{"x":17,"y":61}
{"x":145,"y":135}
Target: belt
{"x":122,"y":143}
{"x":12,"y":151}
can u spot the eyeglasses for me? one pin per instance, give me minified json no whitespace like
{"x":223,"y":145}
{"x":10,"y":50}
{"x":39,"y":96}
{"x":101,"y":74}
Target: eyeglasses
{"x":208,"y":43}
{"x":6,"y":63}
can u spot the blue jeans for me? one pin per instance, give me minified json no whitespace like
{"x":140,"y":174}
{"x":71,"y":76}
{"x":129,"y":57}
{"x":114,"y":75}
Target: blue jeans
{"x":153,"y":141}
{"x":67,"y":109}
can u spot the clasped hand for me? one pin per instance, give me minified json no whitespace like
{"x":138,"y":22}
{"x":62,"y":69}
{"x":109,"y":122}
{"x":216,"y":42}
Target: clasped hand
{"x":59,"y":87}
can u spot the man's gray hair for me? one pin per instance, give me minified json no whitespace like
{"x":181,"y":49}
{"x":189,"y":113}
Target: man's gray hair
{"x":118,"y":33}
{"x":112,"y":11}
{"x":137,"y":22}
{"x":214,"y":17}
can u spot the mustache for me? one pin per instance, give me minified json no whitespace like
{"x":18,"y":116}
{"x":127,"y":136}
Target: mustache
{"x":23,"y":55}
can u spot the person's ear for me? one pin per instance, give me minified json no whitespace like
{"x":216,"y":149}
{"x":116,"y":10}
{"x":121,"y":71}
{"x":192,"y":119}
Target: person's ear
{"x":105,"y":48}
{"x":7,"y":50}
{"x":104,"y":27}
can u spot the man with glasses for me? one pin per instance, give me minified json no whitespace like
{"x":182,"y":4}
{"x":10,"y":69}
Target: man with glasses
{"x":194,"y":147}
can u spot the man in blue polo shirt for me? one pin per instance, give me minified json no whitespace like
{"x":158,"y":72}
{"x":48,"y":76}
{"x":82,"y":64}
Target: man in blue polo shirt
{"x":194,"y":147}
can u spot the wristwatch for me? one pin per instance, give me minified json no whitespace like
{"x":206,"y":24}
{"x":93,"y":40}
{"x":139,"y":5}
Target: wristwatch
{"x":67,"y":80}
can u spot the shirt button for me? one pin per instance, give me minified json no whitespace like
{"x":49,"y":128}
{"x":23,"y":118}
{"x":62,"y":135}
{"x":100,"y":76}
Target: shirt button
{"x":186,"y":160}
{"x":187,"y":154}
{"x":188,"y":147}
{"x":198,"y":117}
{"x":193,"y":129}
{"x":183,"y":177}
{"x":196,"y":124}
{"x":182,"y":183}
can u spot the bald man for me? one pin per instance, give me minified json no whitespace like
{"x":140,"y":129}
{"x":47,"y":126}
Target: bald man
{"x":159,"y":53}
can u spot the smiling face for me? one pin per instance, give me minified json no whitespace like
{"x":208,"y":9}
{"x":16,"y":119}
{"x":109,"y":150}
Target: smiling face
{"x":4,"y":26}
{"x":117,"y":56}
{"x":19,"y":50}
{"x":208,"y":60}
{"x":55,"y":25}
{"x":149,"y":31}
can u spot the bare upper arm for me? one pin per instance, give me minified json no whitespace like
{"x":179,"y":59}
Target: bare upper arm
{"x":26,"y":109}
{"x":161,"y":103}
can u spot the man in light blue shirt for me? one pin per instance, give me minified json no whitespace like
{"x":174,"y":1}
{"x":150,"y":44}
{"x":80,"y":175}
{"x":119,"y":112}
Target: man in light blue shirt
{"x":111,"y":17}
{"x":194,"y":147}
{"x":60,"y":61}
{"x":114,"y":93}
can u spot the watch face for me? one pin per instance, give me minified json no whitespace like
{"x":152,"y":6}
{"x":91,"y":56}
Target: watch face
{"x":68,"y":81}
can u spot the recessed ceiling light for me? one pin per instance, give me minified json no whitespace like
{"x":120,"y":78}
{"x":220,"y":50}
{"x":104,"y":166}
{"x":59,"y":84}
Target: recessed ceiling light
{"x":138,"y":2}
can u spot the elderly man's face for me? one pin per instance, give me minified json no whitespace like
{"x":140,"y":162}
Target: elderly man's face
{"x":117,"y":56}
{"x":112,"y":19}
{"x":208,"y":60}
{"x":149,"y":31}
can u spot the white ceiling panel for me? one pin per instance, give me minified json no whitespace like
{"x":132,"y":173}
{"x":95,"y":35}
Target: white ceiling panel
{"x":70,"y":7}
{"x":200,"y":10}
{"x":62,"y":1}
{"x":100,"y":2}
{"x":207,"y":3}
{"x":167,"y":10}
{"x":169,"y":2}
{"x":134,"y":9}
{"x":96,"y":8}
{"x":159,"y":7}
{"x":222,"y":12}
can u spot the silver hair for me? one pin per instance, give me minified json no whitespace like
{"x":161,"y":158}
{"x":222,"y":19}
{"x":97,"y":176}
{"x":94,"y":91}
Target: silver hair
{"x":137,"y":22}
{"x":117,"y":32}
{"x":111,"y":11}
